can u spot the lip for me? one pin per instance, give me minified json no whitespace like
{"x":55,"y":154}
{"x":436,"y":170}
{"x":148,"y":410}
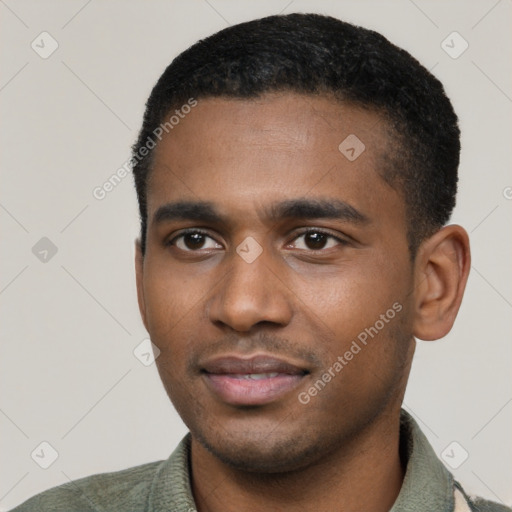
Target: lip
{"x":228,"y":378}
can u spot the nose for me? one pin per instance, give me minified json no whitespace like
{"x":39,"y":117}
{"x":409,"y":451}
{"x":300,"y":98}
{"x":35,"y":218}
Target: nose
{"x":250,"y":294}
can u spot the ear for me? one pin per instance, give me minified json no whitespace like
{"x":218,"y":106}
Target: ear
{"x":139,"y":276}
{"x":441,"y":272}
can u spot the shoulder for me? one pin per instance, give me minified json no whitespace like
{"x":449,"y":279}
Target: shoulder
{"x":477,"y":504}
{"x":481,"y":505}
{"x":124,"y":490}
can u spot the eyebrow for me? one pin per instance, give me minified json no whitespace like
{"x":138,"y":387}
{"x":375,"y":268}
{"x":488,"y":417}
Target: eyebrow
{"x":300,"y":208}
{"x":317,"y":209}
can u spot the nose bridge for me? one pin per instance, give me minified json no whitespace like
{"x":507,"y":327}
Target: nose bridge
{"x":247,"y":280}
{"x":250,"y":292}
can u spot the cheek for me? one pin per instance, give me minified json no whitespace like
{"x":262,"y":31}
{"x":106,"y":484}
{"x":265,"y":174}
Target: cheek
{"x":173,"y":303}
{"x":352,"y":298}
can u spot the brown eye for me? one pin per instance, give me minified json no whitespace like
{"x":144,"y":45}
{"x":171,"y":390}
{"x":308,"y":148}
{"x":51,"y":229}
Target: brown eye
{"x":194,"y":240}
{"x":315,"y":240}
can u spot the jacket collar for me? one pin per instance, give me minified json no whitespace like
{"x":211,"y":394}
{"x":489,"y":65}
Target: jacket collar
{"x":427,"y":484}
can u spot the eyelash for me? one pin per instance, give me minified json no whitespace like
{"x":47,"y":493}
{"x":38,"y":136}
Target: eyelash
{"x":328,"y":234}
{"x":186,"y":232}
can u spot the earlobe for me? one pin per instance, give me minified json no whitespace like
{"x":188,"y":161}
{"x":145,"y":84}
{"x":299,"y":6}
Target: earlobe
{"x":139,"y":277}
{"x":441,"y":272}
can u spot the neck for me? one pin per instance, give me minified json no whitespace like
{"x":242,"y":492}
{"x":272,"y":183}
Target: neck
{"x":366,"y":474}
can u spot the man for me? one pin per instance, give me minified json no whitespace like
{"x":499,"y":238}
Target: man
{"x":295,"y":175}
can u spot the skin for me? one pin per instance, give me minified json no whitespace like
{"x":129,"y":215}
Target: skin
{"x":304,"y":299}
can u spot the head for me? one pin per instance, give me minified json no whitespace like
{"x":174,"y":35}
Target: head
{"x":294,"y":177}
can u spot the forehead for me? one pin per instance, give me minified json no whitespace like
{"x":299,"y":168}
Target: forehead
{"x":240,"y":154}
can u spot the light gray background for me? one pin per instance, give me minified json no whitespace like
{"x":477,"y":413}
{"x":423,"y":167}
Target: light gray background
{"x":69,"y":325}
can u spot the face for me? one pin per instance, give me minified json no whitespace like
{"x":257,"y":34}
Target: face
{"x":277,"y":281}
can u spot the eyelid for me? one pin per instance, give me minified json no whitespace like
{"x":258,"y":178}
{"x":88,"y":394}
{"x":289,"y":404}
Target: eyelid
{"x":186,"y":231}
{"x":323,"y":231}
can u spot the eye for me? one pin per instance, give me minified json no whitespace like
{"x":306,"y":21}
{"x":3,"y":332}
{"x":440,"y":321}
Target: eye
{"x":193,"y":240}
{"x":315,"y":240}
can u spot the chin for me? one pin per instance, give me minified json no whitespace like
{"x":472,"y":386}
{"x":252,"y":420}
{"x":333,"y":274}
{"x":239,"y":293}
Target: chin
{"x":262,"y":452}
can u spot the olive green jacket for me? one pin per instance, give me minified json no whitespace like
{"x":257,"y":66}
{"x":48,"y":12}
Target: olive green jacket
{"x":164,"y":486}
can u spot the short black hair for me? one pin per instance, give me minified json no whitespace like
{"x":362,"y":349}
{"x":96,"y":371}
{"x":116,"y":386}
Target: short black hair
{"x":316,"y":54}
